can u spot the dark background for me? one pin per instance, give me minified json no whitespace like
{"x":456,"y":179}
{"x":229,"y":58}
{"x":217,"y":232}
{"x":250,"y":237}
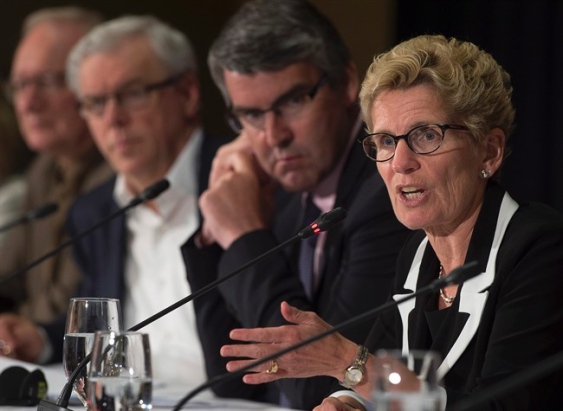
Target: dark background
{"x":525,"y":36}
{"x":201,"y":21}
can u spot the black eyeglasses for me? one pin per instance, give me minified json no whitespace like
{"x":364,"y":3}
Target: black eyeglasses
{"x":45,"y":82}
{"x":288,"y":106}
{"x":423,"y":139}
{"x":131,"y":98}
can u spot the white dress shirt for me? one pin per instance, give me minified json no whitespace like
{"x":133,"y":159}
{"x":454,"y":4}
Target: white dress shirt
{"x":155,"y":275}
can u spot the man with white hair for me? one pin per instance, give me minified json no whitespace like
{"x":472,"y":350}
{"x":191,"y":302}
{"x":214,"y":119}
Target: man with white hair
{"x":67,"y":165}
{"x":137,"y":85}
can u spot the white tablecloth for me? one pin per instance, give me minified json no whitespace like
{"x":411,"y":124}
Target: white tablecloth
{"x":164,"y":398}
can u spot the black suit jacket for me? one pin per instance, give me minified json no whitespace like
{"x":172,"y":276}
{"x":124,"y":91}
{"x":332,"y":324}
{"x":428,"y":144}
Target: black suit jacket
{"x":357,"y":271}
{"x":101,"y":254}
{"x":502,"y":321}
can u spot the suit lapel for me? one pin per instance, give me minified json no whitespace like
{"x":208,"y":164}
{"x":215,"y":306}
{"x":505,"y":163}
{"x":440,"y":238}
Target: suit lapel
{"x":356,"y":170}
{"x":410,"y":285}
{"x":115,"y":252}
{"x":473,"y":294}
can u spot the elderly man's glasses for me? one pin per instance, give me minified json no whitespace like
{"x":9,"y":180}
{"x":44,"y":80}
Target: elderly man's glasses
{"x":45,"y":82}
{"x":288,"y":106}
{"x":422,"y":140}
{"x":131,"y":98}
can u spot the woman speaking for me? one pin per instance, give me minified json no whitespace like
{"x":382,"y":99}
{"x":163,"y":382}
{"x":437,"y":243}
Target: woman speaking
{"x":439,"y":113}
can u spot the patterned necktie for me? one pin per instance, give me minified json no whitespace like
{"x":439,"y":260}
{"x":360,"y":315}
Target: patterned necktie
{"x":307,"y":249}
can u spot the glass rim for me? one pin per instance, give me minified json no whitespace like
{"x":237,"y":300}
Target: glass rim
{"x":95,"y":299}
{"x":124,"y":333}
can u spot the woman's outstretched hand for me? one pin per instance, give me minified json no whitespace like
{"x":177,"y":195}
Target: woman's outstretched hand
{"x":328,"y":356}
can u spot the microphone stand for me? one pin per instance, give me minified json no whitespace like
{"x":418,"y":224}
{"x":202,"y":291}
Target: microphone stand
{"x":149,"y":194}
{"x":323,"y":223}
{"x":35,"y":214}
{"x":457,"y":276}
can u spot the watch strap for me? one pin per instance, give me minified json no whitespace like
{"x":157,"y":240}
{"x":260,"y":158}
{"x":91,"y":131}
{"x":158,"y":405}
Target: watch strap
{"x":358,"y":364}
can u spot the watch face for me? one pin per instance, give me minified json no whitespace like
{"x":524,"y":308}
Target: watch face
{"x":354,"y":375}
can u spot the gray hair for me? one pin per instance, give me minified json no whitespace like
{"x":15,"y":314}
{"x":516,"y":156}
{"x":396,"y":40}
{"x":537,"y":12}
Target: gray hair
{"x":77,"y":15}
{"x":170,"y":45}
{"x":269,"y":35}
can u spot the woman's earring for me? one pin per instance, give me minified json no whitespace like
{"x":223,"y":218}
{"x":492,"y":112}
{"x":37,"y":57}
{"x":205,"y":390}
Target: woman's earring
{"x":485,"y":173}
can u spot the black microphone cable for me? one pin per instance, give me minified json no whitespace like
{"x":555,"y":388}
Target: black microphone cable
{"x":457,"y":276}
{"x":323,"y":223}
{"x":148,"y":194}
{"x":36,"y":214}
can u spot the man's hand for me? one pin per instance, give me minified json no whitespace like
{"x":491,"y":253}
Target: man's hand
{"x":223,"y":161}
{"x":20,"y":338}
{"x":240,"y":198}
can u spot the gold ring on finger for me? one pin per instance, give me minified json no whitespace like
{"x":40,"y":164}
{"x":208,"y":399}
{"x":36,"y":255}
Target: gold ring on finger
{"x":273,"y":367}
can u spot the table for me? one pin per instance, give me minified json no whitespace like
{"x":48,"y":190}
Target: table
{"x":164,"y":398}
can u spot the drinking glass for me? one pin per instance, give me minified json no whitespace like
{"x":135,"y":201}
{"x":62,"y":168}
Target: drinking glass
{"x":406,"y":381}
{"x":120,"y":377}
{"x":85,"y":316}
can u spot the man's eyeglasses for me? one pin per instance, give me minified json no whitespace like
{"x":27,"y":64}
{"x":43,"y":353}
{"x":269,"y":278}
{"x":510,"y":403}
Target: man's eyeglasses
{"x":423,"y":139}
{"x":288,"y":106}
{"x":45,"y":82}
{"x":131,"y":98}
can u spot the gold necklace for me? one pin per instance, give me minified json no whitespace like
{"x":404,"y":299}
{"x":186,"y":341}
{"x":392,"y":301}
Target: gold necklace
{"x":446,"y":299}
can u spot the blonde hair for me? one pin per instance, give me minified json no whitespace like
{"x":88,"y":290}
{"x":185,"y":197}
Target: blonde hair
{"x":474,"y":88}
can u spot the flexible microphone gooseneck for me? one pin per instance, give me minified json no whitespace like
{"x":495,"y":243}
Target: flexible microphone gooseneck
{"x":323,"y":223}
{"x":148,"y":194}
{"x":457,"y":276}
{"x":36,"y":214}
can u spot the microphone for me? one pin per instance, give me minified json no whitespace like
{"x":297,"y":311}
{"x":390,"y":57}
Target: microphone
{"x":328,"y":219}
{"x":38,"y":213}
{"x":323,"y":223}
{"x":148,"y":194}
{"x":458,"y":275}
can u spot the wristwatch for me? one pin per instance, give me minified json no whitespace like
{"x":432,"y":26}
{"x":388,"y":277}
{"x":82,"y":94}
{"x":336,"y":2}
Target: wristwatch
{"x":354,"y":374}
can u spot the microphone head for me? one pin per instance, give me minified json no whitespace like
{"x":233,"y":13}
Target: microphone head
{"x":462,"y":274}
{"x":42,"y":211}
{"x":150,"y":192}
{"x":323,"y":223}
{"x":155,"y":190}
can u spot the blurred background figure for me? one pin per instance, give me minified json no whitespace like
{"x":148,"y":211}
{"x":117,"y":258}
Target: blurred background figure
{"x":137,"y":82}
{"x":67,"y":163}
{"x":14,"y":157}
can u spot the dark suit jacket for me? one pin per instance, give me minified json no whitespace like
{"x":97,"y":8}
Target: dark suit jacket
{"x":357,"y":270}
{"x":502,"y":321}
{"x":101,"y":254}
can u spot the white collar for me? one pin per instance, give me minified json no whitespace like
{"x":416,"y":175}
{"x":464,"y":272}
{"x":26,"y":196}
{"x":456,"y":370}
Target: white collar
{"x":473,"y":294}
{"x":182,"y":176}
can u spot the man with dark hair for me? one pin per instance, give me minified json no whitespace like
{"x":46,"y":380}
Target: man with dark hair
{"x":291,"y":90}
